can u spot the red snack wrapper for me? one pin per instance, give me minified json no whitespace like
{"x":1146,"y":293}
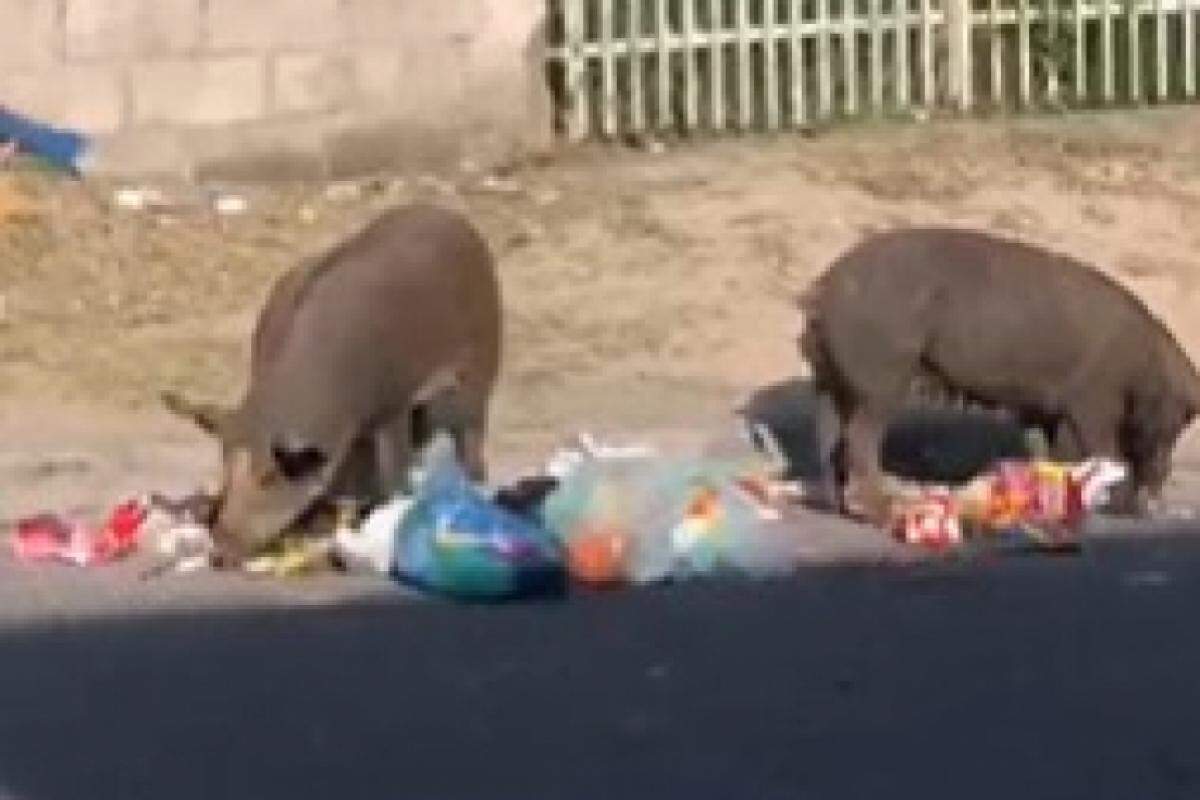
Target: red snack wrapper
{"x":930,"y":520}
{"x":47,"y":537}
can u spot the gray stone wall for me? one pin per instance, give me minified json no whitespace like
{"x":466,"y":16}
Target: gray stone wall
{"x":232,"y":88}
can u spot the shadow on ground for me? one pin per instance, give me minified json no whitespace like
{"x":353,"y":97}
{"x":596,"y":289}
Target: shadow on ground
{"x":1010,"y":677}
{"x":923,"y":444}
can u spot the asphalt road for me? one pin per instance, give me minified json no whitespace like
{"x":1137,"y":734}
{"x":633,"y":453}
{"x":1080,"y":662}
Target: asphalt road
{"x":1015,"y":677}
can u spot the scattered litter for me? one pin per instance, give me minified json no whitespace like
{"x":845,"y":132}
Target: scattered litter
{"x":455,"y":542}
{"x":16,"y":205}
{"x":177,"y":528}
{"x":230,"y":204}
{"x":292,"y":556}
{"x":497,"y":185}
{"x":142,"y":198}
{"x":438,"y":185}
{"x":586,"y":448}
{"x":600,"y":514}
{"x":183,"y":540}
{"x":48,"y":537}
{"x":343,"y":191}
{"x":930,"y":520}
{"x":1037,"y":503}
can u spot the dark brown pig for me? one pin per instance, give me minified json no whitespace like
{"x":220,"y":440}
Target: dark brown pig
{"x":1000,"y":324}
{"x":356,"y":357}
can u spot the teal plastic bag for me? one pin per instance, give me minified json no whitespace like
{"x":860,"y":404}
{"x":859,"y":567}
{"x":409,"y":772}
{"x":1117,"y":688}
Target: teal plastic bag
{"x":455,"y":542}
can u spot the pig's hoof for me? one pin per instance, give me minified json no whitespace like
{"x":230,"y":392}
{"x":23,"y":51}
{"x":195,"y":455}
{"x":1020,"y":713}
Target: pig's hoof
{"x":867,"y":504}
{"x":224,"y":558}
{"x":821,"y":498}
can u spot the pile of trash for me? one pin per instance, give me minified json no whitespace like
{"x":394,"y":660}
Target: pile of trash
{"x":1035,"y":504}
{"x":595,"y":515}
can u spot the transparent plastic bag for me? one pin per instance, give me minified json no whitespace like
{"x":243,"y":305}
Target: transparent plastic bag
{"x":656,"y":519}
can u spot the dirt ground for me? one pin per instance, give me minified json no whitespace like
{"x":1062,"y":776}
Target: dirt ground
{"x":646,"y":293}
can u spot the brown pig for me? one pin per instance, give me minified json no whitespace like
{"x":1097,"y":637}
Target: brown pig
{"x":1002,"y":324}
{"x":355,"y":359}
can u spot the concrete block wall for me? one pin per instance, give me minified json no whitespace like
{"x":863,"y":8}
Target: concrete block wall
{"x":281,"y":88}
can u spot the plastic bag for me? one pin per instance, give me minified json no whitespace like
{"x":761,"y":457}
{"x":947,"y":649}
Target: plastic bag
{"x":615,"y":519}
{"x":727,"y":527}
{"x":649,"y":520}
{"x":455,"y":542}
{"x":369,"y":548}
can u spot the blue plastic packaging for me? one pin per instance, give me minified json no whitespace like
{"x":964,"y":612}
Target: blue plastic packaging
{"x":66,"y":149}
{"x":456,"y":542}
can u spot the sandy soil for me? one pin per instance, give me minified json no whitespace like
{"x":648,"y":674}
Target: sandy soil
{"x":646,"y":293}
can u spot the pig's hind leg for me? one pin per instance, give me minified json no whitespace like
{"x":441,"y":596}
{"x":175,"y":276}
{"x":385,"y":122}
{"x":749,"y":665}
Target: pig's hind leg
{"x":393,"y":440}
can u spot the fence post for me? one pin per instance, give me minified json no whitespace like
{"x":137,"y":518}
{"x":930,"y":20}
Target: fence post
{"x":1110,"y":60}
{"x":637,"y":71}
{"x":1189,"y":49}
{"x":799,"y":96}
{"x":996,"y":54}
{"x":1080,"y":55}
{"x":691,"y":95}
{"x":663,"y":112}
{"x":876,"y":19}
{"x":850,"y":56}
{"x":928,"y":77}
{"x":1050,"y":21}
{"x":745,"y":107}
{"x":1133,"y":21}
{"x":1024,"y":80}
{"x":1161,"y":76}
{"x":903,"y":81}
{"x":958,"y":30}
{"x":824,"y":67}
{"x":608,"y":73}
{"x":574,"y":68}
{"x":770,"y":45}
{"x":716,"y":62}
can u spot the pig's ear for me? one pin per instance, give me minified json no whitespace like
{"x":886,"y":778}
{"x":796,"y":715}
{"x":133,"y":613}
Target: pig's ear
{"x":208,"y":417}
{"x":297,"y":459}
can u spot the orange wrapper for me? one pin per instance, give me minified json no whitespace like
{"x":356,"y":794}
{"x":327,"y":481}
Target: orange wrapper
{"x":597,"y":556}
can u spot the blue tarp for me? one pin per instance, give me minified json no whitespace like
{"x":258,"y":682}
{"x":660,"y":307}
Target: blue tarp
{"x":65,"y":149}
